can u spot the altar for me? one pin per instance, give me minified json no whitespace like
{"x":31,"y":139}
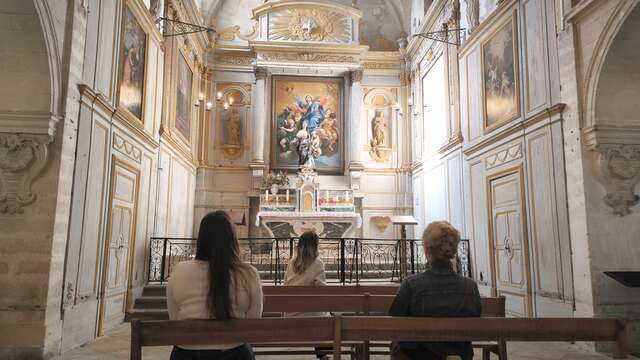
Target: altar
{"x":289,"y":212}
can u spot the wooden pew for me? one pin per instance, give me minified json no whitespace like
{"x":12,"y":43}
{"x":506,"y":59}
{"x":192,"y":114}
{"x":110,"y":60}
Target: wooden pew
{"x":366,"y":304}
{"x":331,"y":290}
{"x":341,"y":329}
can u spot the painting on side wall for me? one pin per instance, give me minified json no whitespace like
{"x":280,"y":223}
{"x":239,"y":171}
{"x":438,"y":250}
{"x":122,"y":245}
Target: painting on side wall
{"x":183,"y":98}
{"x":132,"y":65}
{"x":500,"y":77}
{"x":307,"y":123}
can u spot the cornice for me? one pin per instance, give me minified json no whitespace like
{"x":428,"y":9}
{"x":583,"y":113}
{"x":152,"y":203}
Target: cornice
{"x":505,"y":132}
{"x":599,"y":134}
{"x":272,"y":6}
{"x":486,"y":25}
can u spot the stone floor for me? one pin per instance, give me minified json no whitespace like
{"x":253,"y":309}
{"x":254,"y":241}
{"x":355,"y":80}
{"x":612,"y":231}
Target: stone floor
{"x":115,"y":346}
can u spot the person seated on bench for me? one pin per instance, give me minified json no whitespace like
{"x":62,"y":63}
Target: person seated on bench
{"x":437,"y":292}
{"x":216,"y":285}
{"x":306,"y":269}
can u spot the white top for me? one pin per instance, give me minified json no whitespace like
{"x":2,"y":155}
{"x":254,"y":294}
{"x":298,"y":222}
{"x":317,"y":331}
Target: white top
{"x":188,"y":288}
{"x":312,"y":276}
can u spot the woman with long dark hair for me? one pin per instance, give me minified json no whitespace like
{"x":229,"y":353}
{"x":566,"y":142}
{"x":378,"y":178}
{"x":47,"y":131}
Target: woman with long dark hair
{"x":306,"y":269}
{"x":216,"y":285}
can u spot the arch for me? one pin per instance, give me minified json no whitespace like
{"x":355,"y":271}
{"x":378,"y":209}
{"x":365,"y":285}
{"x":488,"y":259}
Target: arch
{"x":600,"y":54}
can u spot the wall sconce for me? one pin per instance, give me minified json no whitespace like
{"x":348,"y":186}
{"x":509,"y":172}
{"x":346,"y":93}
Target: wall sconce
{"x":209,"y":105}
{"x":230,"y":101}
{"x":410,"y":101}
{"x":226,"y":105}
{"x":201,"y":97}
{"x":219,"y":95}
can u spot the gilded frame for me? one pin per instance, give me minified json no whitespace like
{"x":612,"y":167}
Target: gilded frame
{"x":174,"y":90}
{"x":120,"y":108}
{"x":487,"y":128}
{"x":341,"y":115}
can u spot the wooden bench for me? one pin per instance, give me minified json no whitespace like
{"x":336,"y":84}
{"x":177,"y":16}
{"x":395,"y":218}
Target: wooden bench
{"x":341,"y":329}
{"x":366,"y":304}
{"x":331,"y":290}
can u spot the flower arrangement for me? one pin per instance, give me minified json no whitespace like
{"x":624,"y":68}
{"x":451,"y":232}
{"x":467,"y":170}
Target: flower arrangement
{"x":280,"y":179}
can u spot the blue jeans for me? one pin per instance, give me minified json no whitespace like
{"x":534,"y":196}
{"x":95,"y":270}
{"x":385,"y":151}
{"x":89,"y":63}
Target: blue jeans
{"x":242,"y":352}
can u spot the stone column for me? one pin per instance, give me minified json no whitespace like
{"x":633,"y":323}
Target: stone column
{"x":259,"y":126}
{"x":355,"y":129}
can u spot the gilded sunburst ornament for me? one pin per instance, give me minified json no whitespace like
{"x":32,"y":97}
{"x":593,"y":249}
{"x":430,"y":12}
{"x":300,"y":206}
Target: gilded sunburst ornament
{"x":310,"y":25}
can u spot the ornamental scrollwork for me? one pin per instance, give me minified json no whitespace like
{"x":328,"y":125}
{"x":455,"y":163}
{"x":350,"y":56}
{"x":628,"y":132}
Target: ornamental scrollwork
{"x":619,"y":167}
{"x":310,"y":25}
{"x":22,"y":159}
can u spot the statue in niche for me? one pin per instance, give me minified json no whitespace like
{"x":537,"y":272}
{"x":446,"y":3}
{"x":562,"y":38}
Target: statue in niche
{"x":379,"y":151}
{"x":233,"y":128}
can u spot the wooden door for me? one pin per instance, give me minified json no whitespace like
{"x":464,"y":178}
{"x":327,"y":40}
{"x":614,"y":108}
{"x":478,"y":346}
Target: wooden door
{"x":510,"y":263}
{"x":119,"y":243}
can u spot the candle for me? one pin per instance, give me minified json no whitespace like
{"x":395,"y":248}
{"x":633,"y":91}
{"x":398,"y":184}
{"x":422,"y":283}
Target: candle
{"x":287,"y":195}
{"x":277,"y":199}
{"x":346,"y":195}
{"x":266,"y":195}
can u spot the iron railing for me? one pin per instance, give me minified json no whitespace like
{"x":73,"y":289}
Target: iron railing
{"x":347,"y":260}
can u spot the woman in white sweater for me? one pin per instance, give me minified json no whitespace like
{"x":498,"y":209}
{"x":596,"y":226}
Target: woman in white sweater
{"x":307,"y":269}
{"x":216,"y":285}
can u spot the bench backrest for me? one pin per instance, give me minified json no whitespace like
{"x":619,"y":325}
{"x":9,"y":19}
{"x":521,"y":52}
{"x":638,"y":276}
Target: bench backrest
{"x":363,"y":304}
{"x":331,"y":290}
{"x":375,"y":328}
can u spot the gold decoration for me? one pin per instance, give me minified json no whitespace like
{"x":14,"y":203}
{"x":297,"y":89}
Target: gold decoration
{"x":326,"y":58}
{"x":310,"y":25}
{"x":233,"y":60}
{"x":231,"y":32}
{"x":381,"y":222}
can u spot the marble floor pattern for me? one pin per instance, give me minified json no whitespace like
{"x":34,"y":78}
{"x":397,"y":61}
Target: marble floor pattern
{"x":115,"y":346}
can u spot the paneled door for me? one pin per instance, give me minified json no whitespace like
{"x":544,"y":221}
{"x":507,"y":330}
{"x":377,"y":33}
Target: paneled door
{"x":119,"y":242}
{"x":507,"y":228}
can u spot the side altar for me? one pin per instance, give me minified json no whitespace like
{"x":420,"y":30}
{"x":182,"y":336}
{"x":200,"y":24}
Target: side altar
{"x":289,"y":212}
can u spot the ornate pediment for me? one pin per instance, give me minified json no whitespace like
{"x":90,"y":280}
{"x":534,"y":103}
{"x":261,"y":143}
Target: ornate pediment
{"x":308,"y":21}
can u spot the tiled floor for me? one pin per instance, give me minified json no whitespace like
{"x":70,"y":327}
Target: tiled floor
{"x":115,"y":346}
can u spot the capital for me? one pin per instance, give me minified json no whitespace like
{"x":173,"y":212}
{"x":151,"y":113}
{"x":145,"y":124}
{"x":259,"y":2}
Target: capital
{"x":356,"y":75}
{"x":260,"y":73}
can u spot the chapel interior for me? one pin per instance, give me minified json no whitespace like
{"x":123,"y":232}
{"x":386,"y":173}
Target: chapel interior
{"x":124,"y":122}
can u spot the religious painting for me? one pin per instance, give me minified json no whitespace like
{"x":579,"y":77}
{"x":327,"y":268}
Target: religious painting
{"x":183,"y":98}
{"x":500,"y":77}
{"x":307,"y":123}
{"x":132,"y":65}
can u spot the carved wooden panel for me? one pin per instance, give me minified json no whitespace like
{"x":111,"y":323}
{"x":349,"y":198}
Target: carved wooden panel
{"x":508,"y":241}
{"x":120,"y":239}
{"x":478,"y":223}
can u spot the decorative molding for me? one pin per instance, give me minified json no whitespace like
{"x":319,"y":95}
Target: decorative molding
{"x":234,"y":60}
{"x":382,"y":65}
{"x":261,"y":73}
{"x":127,"y":148}
{"x":28,"y":122}
{"x":22,"y":159}
{"x":381,"y":222}
{"x":310,"y":24}
{"x":306,"y":56}
{"x":356,"y":75}
{"x":619,"y":167}
{"x":230,"y":33}
{"x":504,"y":156}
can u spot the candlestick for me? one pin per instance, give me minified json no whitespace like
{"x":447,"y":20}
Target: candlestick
{"x":287,"y":195}
{"x":277,"y":199}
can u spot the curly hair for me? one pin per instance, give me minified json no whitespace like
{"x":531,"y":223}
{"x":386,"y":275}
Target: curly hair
{"x":440,"y":240}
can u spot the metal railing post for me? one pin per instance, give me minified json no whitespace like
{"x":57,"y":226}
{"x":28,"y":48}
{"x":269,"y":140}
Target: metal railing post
{"x":277,"y":277}
{"x":413,"y":260}
{"x":342,"y":261}
{"x":163,"y":262}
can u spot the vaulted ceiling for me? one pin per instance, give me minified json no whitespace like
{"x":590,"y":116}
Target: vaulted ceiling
{"x":383,"y":22}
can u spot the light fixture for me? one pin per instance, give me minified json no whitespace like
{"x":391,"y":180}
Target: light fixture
{"x":209,"y":105}
{"x":201,"y":97}
{"x":410,"y":101}
{"x":173,"y":27}
{"x":219,"y":95}
{"x":226,"y":105}
{"x":443,"y":35}
{"x":230,"y":101}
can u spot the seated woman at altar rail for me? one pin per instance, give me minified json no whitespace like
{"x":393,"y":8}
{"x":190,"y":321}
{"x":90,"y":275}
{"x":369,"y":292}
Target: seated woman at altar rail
{"x":216,"y":285}
{"x":307,"y":269}
{"x":437,"y":292}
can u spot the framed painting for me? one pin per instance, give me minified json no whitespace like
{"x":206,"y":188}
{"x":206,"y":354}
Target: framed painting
{"x":500,"y":76}
{"x":184,"y":84}
{"x":307,"y":122}
{"x":133,"y":51}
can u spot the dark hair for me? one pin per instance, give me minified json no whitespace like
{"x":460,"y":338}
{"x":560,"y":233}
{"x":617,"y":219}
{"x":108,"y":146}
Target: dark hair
{"x":306,"y":251}
{"x":218,"y":245}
